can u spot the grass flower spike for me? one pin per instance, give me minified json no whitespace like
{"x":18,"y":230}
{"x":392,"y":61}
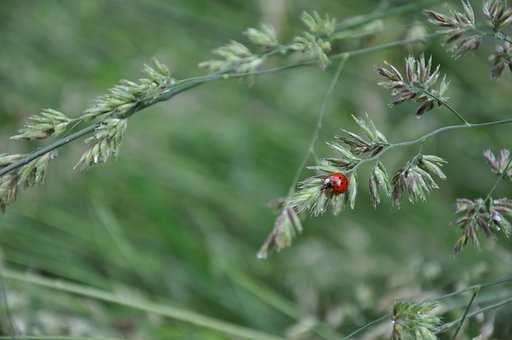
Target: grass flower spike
{"x":488,"y":214}
{"x":499,"y":164}
{"x":48,"y":123}
{"x":32,"y":173}
{"x":415,"y":321}
{"x":286,"y":227}
{"x":417,"y":84}
{"x":479,"y":214}
{"x":465,"y":33}
{"x":105,"y":143}
{"x":316,"y":43}
{"x":459,"y":28}
{"x":416,"y":179}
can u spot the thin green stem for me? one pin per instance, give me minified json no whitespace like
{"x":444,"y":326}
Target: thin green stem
{"x":490,"y":307}
{"x":480,"y":287}
{"x":455,"y":112}
{"x":466,"y":311}
{"x":399,"y":10}
{"x":43,"y":151}
{"x":381,"y":47}
{"x":480,"y":300}
{"x":322,"y":330}
{"x":143,"y":305}
{"x":429,"y":135}
{"x":498,"y":181}
{"x":472,"y":288}
{"x":445,"y":104}
{"x":496,"y":35}
{"x":319,"y":123}
{"x":366,"y":326}
{"x":311,"y":62}
{"x":475,"y":313}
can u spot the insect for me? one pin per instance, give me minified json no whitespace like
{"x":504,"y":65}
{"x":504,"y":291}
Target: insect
{"x":336,"y":182}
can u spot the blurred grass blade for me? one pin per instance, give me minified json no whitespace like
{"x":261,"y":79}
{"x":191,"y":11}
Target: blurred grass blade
{"x":147,"y":306}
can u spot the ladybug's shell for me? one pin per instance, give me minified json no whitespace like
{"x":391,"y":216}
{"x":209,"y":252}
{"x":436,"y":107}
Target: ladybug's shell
{"x":337,"y":182}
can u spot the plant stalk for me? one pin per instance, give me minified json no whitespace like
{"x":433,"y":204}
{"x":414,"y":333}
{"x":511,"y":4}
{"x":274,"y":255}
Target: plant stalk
{"x":429,"y":135}
{"x":190,"y":83}
{"x":179,"y":314}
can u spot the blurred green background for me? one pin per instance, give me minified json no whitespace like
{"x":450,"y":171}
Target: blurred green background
{"x":178,"y":218}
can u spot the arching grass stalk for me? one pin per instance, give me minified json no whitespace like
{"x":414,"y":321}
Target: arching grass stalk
{"x":190,"y":83}
{"x":107,"y":117}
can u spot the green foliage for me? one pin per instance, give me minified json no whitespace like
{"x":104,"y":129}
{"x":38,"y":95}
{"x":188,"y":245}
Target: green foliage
{"x":176,"y":221}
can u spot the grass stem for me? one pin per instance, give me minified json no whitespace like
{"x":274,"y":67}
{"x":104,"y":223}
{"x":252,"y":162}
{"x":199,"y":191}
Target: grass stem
{"x":143,"y":305}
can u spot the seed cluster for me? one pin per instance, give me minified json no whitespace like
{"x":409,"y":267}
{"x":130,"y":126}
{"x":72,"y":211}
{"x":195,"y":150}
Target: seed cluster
{"x":25,"y":177}
{"x":488,"y":216}
{"x":415,"y":320}
{"x":464,"y":33}
{"x":416,"y":179}
{"x":417,"y":83}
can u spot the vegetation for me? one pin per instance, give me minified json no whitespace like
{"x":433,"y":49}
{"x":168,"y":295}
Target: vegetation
{"x":162,"y":242}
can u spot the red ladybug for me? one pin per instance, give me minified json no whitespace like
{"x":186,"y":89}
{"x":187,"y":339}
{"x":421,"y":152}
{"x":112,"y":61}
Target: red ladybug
{"x":337,"y":183}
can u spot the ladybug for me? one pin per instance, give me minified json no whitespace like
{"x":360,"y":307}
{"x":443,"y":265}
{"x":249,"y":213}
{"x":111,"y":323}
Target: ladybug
{"x":337,"y":183}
